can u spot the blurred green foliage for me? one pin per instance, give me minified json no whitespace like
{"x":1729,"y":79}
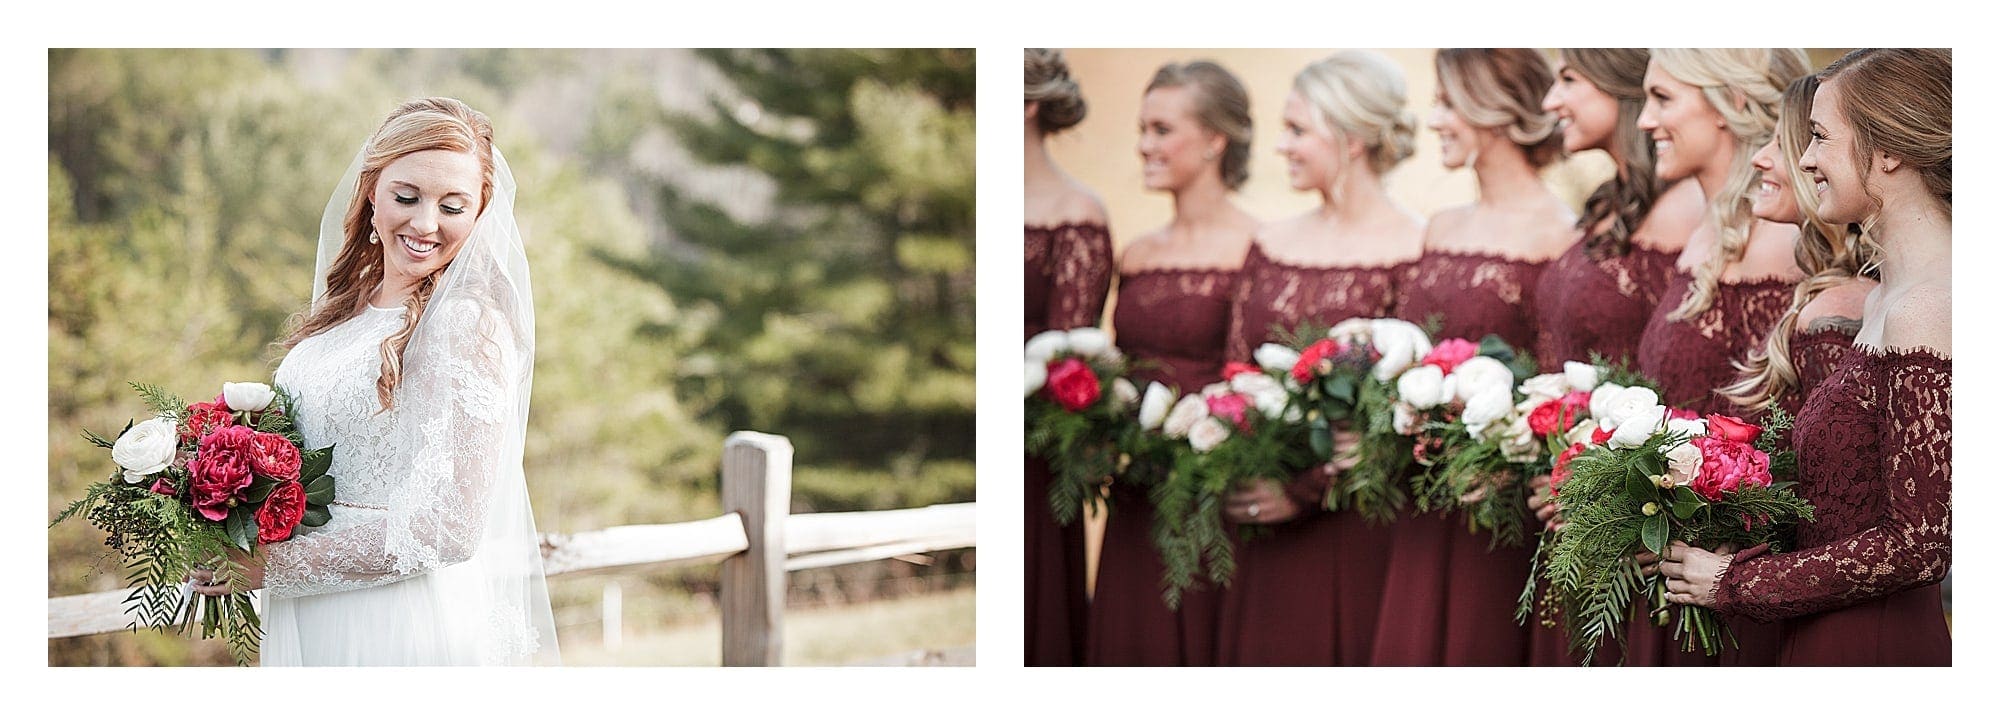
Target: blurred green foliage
{"x":833,"y":304}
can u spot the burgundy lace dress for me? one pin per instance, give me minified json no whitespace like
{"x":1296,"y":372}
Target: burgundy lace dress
{"x":1874,"y":446}
{"x":1585,"y":305}
{"x":1176,"y":320}
{"x":1068,"y":274}
{"x":1307,"y":592}
{"x":1815,"y":356}
{"x":1447,"y":599}
{"x":1691,"y":358}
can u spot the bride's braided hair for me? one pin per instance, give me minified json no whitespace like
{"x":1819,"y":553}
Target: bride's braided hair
{"x":419,"y":125}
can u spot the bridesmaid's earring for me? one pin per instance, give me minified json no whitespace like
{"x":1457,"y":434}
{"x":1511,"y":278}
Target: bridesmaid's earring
{"x":1208,"y":156}
{"x":374,"y":237}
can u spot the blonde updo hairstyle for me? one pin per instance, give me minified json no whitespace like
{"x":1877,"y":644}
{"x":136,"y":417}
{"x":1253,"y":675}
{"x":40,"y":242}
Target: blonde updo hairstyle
{"x":1503,"y":89}
{"x":1745,"y":86}
{"x":1046,"y":81}
{"x":1222,"y":106}
{"x":1361,"y":95}
{"x":421,"y":125}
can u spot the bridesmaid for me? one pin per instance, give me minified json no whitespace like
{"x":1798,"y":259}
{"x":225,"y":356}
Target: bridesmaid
{"x":1173,"y":313}
{"x":1874,"y":439}
{"x":1068,"y":274}
{"x":1308,"y":592}
{"x":1449,"y":600}
{"x":1709,"y":111}
{"x":1595,"y":298}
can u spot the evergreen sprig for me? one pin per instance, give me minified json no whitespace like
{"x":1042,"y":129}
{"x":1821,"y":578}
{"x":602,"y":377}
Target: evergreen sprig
{"x":1382,"y":458}
{"x":1188,"y":528}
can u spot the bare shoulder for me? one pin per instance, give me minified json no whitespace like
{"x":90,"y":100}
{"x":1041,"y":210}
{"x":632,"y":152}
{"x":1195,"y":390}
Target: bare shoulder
{"x":1839,"y":307}
{"x":1143,"y":251}
{"x":1676,"y":214}
{"x":1447,"y":226}
{"x":1082,"y":205}
{"x":1919,"y":318}
{"x":1770,"y":252}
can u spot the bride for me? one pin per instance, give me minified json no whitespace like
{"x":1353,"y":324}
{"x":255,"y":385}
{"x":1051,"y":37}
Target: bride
{"x":414,"y":360}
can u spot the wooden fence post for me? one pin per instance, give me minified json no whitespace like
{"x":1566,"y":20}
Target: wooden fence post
{"x":756,"y":484}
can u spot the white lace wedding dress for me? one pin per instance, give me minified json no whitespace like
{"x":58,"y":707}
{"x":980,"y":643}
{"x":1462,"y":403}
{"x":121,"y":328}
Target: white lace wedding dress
{"x":396,"y":577}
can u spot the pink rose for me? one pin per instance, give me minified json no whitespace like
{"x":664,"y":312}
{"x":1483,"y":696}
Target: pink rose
{"x":1073,"y":384}
{"x":1727,"y":465}
{"x":1733,"y":429}
{"x":220,"y":470}
{"x":1232,"y":408}
{"x":1448,"y":354}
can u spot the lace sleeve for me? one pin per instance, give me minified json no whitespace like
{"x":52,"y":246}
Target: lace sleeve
{"x":451,"y":411}
{"x":1080,"y":261}
{"x":1908,"y":548}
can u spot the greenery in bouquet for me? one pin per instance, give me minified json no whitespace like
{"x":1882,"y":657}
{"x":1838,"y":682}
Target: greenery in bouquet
{"x":1471,"y":439}
{"x":1078,"y":412}
{"x":1341,"y":378}
{"x":193,"y":485}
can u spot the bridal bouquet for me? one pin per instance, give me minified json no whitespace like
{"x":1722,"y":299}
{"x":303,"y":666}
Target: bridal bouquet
{"x":1230,"y":434}
{"x":1458,"y":406}
{"x":1346,"y":377}
{"x":1078,"y":408}
{"x":1648,"y":475}
{"x":195,"y":482}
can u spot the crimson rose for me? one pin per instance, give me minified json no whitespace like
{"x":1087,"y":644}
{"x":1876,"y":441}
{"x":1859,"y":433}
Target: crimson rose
{"x":205,"y":417}
{"x":1073,"y":384}
{"x":1733,"y":429}
{"x":220,"y":470}
{"x":274,"y":456}
{"x":1316,"y":359}
{"x":1559,"y":415}
{"x":281,"y":512}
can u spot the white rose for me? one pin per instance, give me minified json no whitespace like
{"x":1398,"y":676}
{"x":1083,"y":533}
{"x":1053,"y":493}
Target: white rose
{"x":1582,"y":377}
{"x":1422,"y":387}
{"x":1263,"y":390}
{"x":1153,"y":408}
{"x":1124,"y":392}
{"x":1207,"y":433}
{"x":1690,"y":428}
{"x":1090,"y":342}
{"x":1403,"y":418}
{"x":1546,"y":387}
{"x":147,"y":448}
{"x":1037,"y":374}
{"x":1683,"y":463}
{"x":1631,"y":402}
{"x":1352,"y":331}
{"x":1272,"y":356}
{"x":1637,"y":426}
{"x":1601,"y":398}
{"x":1582,"y":431}
{"x":247,"y":396}
{"x":1044,"y":347}
{"x":1191,"y":409}
{"x":1485,"y":408}
{"x":1480,"y":375}
{"x":1401,"y":344}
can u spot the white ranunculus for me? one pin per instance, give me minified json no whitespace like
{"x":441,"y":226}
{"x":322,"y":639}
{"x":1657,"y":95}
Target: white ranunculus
{"x":1485,"y":408}
{"x":1582,"y":377}
{"x":1546,"y":387}
{"x":1421,"y":386}
{"x":1518,"y":443}
{"x":1153,"y":407}
{"x":1272,"y":356}
{"x":1691,"y":428}
{"x":1089,"y":342}
{"x":247,"y":396}
{"x":1403,"y":418}
{"x":1480,"y":375}
{"x":1124,"y":392}
{"x":1037,"y":374}
{"x":1638,"y":425}
{"x":147,"y":448}
{"x":1581,"y":431}
{"x":1352,"y":331}
{"x":1630,"y":402}
{"x":1207,"y":433}
{"x":1043,"y":347}
{"x":1683,"y":463}
{"x":1263,"y":391}
{"x":1401,"y":344}
{"x":1601,"y":398}
{"x":1191,"y":409}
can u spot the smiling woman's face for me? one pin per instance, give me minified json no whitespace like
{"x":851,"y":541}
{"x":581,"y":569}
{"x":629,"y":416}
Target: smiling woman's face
{"x":425,"y":206}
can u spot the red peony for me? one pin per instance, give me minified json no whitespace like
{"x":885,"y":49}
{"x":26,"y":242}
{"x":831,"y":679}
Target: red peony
{"x":205,"y":417}
{"x":1559,"y":415}
{"x":274,"y":456}
{"x":1727,"y":465}
{"x":1733,"y":429}
{"x":1561,"y":472}
{"x":220,"y":470}
{"x":1232,"y":368}
{"x":1316,"y":360}
{"x":281,"y":512}
{"x":1448,"y":354}
{"x":1232,"y":408}
{"x":1073,"y":384}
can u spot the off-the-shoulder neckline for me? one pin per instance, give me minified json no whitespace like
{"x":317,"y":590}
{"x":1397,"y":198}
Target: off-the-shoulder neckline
{"x":1147,"y":270}
{"x":1358,"y":267}
{"x":1067,"y":225}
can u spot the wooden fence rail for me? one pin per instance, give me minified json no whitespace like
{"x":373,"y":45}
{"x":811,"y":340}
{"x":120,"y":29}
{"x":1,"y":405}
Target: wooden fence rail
{"x":758,"y":542}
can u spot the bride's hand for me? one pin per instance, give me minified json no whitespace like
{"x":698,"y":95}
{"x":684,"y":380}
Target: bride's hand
{"x":249,"y":573}
{"x":1260,"y":502}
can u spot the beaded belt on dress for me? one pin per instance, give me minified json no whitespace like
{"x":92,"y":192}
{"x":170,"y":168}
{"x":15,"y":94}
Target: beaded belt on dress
{"x":358,"y":505}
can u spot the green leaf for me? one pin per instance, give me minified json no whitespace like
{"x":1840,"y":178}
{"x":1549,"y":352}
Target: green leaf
{"x":260,"y":488}
{"x":319,"y":491}
{"x":1639,"y":485}
{"x":1654,"y":533}
{"x":316,"y":516}
{"x":1651,"y":462}
{"x":1341,"y":387}
{"x":314,"y":462}
{"x":1492,"y":346}
{"x":1322,"y":439}
{"x":240,"y":528}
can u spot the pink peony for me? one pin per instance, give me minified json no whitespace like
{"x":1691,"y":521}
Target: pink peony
{"x":1448,"y":354}
{"x":220,"y":470}
{"x":1727,"y":465}
{"x":1232,"y":408}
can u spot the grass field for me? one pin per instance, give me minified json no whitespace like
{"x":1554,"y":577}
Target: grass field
{"x":828,"y":635}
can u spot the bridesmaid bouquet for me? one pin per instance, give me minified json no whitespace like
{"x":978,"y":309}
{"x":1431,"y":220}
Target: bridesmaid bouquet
{"x":1458,"y":407}
{"x":195,"y":482}
{"x":1646,"y":476}
{"x":1231,"y":433}
{"x":1078,"y":409}
{"x":1346,"y":376}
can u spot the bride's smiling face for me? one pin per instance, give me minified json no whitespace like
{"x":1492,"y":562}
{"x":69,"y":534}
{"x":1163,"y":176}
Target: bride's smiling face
{"x":425,"y":205}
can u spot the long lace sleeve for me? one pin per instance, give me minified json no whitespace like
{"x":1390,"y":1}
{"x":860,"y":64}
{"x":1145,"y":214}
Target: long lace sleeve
{"x":1908,"y":546}
{"x":1081,"y":267}
{"x":452,"y":411}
